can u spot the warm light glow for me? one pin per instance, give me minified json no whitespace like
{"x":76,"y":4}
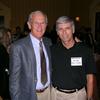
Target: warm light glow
{"x":77,"y":18}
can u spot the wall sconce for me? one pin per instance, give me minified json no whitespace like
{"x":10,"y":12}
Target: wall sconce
{"x":77,"y":18}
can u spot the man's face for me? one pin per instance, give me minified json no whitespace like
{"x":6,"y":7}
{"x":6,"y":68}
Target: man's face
{"x":65,"y":32}
{"x":38,"y":25}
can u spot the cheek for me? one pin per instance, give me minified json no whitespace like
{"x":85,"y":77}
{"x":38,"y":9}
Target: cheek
{"x":60,"y":35}
{"x":44,"y":27}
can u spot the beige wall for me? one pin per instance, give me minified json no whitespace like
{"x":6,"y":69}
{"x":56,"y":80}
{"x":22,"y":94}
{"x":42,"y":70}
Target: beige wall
{"x":21,"y":8}
{"x":81,"y":8}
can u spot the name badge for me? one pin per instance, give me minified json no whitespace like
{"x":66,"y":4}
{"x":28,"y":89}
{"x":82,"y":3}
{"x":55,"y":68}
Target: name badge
{"x":76,"y":61}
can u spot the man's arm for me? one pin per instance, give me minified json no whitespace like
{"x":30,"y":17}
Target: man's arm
{"x":90,"y":86}
{"x":14,"y":71}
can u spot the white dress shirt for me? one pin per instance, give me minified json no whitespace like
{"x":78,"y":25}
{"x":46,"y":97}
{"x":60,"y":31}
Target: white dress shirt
{"x":35,"y":43}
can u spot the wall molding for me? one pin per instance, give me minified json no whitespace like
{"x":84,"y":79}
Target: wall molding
{"x":6,"y":12}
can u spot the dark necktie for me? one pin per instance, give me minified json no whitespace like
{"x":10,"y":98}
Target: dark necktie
{"x":43,"y":65}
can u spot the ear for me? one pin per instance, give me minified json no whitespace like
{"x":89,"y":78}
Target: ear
{"x":29,"y":25}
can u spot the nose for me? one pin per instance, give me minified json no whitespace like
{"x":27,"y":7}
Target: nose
{"x":64,"y":30}
{"x":39,"y":27}
{"x":39,"y":24}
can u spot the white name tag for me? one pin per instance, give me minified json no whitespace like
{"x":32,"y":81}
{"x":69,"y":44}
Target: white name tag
{"x":76,"y":61}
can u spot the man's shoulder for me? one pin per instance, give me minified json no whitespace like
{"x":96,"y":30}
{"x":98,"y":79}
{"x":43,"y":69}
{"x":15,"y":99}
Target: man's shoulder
{"x":83,"y":47}
{"x":47,"y":41}
{"x":21,"y":41}
{"x":56,"y":46}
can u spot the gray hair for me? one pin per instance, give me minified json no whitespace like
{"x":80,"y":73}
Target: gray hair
{"x":36,"y":12}
{"x":64,"y":20}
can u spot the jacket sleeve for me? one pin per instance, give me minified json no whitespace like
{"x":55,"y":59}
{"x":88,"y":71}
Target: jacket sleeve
{"x":14,"y":71}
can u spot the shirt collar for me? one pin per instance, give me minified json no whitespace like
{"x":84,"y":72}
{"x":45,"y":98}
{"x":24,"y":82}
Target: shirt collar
{"x":34,"y":39}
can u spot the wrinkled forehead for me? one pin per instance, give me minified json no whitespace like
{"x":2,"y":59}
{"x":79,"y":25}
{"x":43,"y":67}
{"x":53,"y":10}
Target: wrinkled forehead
{"x":38,"y":16}
{"x":62,"y":25}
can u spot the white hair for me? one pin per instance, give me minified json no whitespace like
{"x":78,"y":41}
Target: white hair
{"x":37,"y":12}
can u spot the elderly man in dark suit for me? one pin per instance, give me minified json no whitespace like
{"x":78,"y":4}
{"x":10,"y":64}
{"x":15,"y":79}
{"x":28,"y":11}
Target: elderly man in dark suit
{"x":25,"y":62}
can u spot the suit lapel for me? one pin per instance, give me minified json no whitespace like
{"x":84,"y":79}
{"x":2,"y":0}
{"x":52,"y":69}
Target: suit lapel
{"x":31,"y":54}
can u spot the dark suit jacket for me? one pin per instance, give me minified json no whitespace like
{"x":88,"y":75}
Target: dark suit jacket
{"x":23,"y":69}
